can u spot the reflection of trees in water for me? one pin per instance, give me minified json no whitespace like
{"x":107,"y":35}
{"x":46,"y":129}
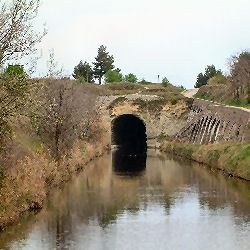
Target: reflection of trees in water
{"x":216,"y":189}
{"x":103,"y":196}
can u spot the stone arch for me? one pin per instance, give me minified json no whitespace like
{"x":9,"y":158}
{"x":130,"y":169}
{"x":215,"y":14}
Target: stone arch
{"x":128,"y":132}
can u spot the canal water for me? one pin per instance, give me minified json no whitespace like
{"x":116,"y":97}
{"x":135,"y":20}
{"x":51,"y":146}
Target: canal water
{"x":151,"y":201}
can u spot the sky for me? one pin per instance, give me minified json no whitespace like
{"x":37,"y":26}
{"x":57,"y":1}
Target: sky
{"x":176,"y":39}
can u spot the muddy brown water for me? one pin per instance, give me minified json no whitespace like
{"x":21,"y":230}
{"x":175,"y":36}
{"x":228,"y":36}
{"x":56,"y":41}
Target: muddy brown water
{"x":148,"y":202}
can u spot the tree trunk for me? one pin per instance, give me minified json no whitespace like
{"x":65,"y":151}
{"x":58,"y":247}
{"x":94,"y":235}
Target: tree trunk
{"x":100,"y":80}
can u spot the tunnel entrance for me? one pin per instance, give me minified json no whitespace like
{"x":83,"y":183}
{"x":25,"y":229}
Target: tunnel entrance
{"x":129,"y":134}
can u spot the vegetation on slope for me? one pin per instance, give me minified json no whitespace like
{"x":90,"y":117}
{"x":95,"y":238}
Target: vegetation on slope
{"x":233,"y":158}
{"x":234,"y":89}
{"x":125,"y":88}
{"x":48,"y":141}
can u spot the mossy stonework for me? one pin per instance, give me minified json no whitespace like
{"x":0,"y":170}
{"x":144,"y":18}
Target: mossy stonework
{"x":159,"y":115}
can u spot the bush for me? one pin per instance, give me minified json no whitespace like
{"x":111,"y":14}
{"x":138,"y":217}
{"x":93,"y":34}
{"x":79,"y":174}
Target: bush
{"x":123,"y":86}
{"x":217,"y":79}
{"x":14,"y":70}
{"x":14,"y":96}
{"x":113,"y":76}
{"x":174,"y":100}
{"x":143,"y":81}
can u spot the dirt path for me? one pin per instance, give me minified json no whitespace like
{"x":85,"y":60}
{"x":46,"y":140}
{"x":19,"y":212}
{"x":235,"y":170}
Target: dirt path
{"x":191,"y":92}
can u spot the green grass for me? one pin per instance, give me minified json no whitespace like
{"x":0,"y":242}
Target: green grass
{"x":214,"y":155}
{"x":234,"y":104}
{"x":32,"y":143}
{"x":233,"y":158}
{"x":174,"y":99}
{"x":210,"y":97}
{"x":207,"y":97}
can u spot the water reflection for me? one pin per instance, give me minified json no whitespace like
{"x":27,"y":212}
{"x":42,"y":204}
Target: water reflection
{"x":130,"y":164}
{"x":168,"y":204}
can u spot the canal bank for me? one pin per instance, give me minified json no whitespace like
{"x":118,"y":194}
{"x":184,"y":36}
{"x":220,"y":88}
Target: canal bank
{"x":25,"y":187}
{"x":232,"y":158}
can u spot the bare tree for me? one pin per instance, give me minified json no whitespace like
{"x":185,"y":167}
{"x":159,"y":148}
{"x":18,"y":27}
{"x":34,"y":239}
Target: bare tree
{"x":240,"y":76}
{"x":67,"y":113}
{"x":52,"y":64}
{"x":17,"y":36}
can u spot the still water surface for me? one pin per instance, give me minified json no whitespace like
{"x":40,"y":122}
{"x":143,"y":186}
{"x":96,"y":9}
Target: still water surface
{"x":165,"y":204}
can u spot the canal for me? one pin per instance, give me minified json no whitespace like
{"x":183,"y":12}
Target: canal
{"x":151,"y":201}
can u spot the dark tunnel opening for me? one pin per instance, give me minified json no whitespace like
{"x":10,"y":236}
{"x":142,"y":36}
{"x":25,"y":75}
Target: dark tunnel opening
{"x":129,"y":134}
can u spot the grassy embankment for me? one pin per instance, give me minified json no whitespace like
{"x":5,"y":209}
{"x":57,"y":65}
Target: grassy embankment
{"x":169,"y":93}
{"x":233,"y":158}
{"x":55,"y":138}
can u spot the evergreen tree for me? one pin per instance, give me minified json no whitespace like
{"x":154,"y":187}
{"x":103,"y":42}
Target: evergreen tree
{"x":210,"y":71}
{"x":201,"y":80}
{"x":130,"y":78}
{"x":104,"y":62}
{"x":85,"y":71}
{"x":165,"y":82}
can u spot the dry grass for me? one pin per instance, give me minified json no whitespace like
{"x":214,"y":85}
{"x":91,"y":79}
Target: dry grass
{"x":25,"y":186}
{"x":125,"y":88}
{"x":28,"y":166}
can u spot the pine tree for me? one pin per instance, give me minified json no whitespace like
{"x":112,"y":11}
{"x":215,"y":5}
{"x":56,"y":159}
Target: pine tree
{"x":104,"y":62}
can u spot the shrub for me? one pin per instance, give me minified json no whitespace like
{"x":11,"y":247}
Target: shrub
{"x":113,"y":76}
{"x":217,"y":79}
{"x":14,"y":95}
{"x":14,"y":70}
{"x":143,"y":81}
{"x":130,"y":78}
{"x":174,"y":100}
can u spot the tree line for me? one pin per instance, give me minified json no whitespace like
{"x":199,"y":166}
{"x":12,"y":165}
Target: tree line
{"x":233,"y":88}
{"x":103,"y":67}
{"x":210,"y":72}
{"x":239,"y":66}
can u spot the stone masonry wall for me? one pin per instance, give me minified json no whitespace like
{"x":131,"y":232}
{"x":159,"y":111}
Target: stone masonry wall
{"x":210,"y":123}
{"x":159,"y":118}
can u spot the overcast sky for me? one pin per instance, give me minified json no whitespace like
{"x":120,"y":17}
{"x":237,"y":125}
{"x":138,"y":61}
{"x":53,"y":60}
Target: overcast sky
{"x":172,"y":38}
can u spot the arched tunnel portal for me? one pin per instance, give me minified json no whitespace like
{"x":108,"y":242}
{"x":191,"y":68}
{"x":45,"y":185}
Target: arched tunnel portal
{"x":129,"y":133}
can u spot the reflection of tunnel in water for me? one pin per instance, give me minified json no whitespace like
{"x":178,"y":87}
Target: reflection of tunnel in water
{"x":129,"y":133}
{"x":128,"y":164}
